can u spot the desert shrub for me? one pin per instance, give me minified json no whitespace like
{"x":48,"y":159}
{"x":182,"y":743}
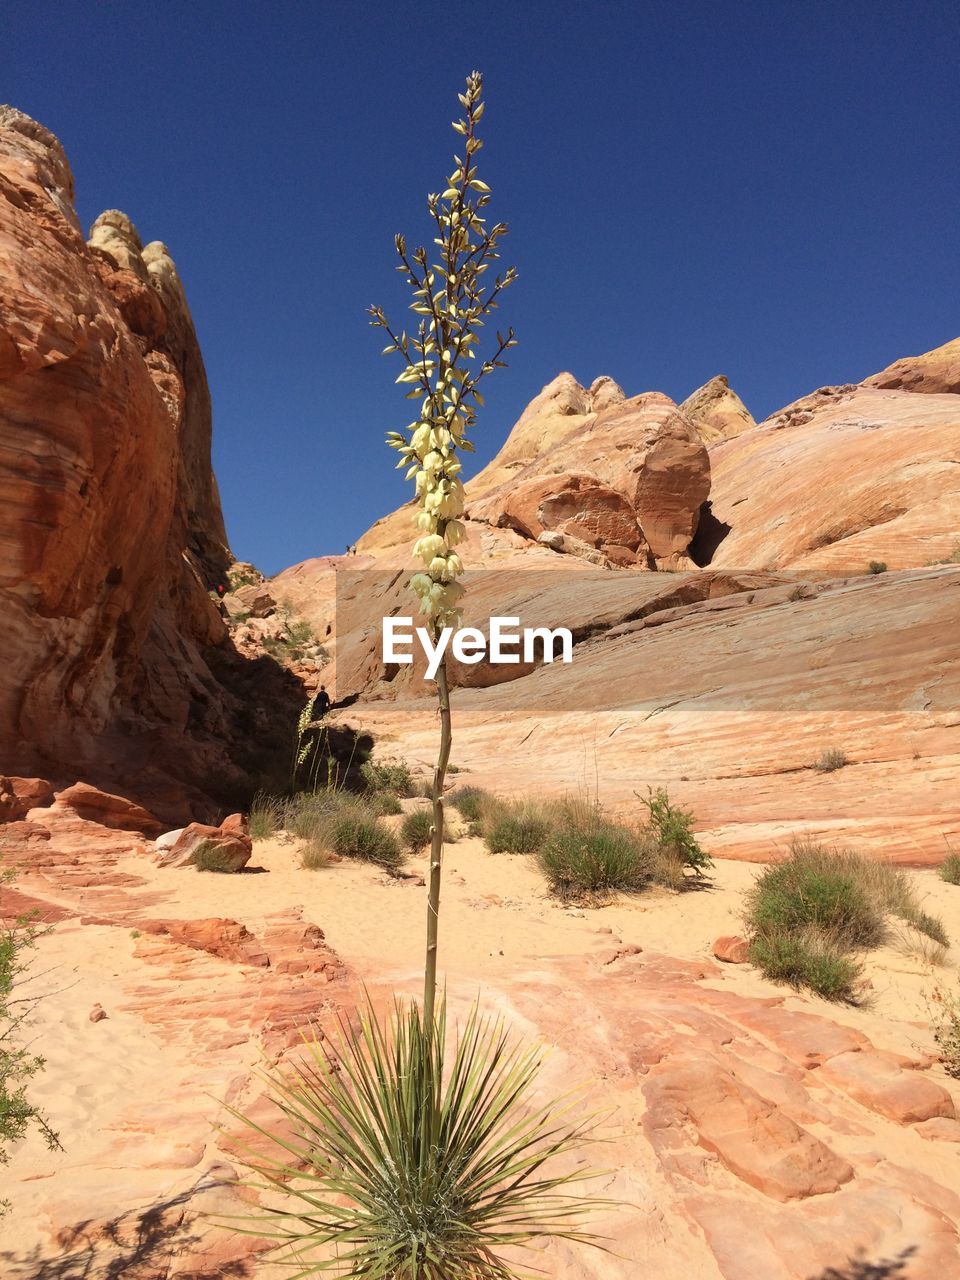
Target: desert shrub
{"x":469,"y":802}
{"x":830,"y":760}
{"x":930,"y":927}
{"x":949,"y":868}
{"x":208,"y":856}
{"x":813,"y":889}
{"x":385,"y":804}
{"x":243,"y":575}
{"x":877,"y":566}
{"x":952,"y":558}
{"x":516,"y":827}
{"x":356,"y":832}
{"x":392,"y":776}
{"x":307,"y":814}
{"x":943,"y":1008}
{"x":588,"y":856}
{"x":315,"y":855}
{"x":416,"y":829}
{"x":818,"y":904}
{"x":806,"y":959}
{"x":676,"y":849}
{"x":265,"y":813}
{"x":18,"y":1064}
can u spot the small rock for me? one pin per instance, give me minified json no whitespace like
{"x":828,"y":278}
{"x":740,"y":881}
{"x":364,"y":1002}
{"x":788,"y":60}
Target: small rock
{"x":732,"y":949}
{"x":97,"y":1013}
{"x":168,"y":839}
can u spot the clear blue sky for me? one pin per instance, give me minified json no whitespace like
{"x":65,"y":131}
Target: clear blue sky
{"x":767,"y":190}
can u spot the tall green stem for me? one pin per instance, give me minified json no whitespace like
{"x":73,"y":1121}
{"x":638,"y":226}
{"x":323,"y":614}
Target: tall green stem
{"x":436,"y":852}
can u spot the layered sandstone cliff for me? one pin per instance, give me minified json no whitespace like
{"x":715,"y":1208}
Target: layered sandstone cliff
{"x":116,"y":659}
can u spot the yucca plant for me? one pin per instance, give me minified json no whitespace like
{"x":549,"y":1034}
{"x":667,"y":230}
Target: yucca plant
{"x":415,"y":1161}
{"x":413,"y":1165}
{"x":452,"y":301}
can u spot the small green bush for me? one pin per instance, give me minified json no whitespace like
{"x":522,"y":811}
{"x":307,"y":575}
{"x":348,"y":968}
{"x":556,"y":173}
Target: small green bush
{"x":315,"y":855}
{"x":944,"y":1010}
{"x":469,"y":802}
{"x":930,"y":926}
{"x":671,"y":832}
{"x":516,"y":828}
{"x":355,"y":832}
{"x":385,"y":804}
{"x":805,"y":912}
{"x":877,"y":566}
{"x":392,"y":776}
{"x":18,"y":1063}
{"x":806,"y":959}
{"x":208,"y":857}
{"x":594,"y":858}
{"x":830,"y":760}
{"x":949,"y":869}
{"x":416,"y":829}
{"x":308,"y":813}
{"x":264,"y":816}
{"x":813,"y":888}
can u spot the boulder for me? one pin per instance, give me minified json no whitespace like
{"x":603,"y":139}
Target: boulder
{"x":732,"y":949}
{"x":573,"y":504}
{"x":229,"y":840}
{"x":94,"y":805}
{"x":19,"y":795}
{"x":256,"y":600}
{"x":567,"y":544}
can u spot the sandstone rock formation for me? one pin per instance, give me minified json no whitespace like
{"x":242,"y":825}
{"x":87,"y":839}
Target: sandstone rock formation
{"x":717,"y":411}
{"x":230,"y":843}
{"x":116,"y":661}
{"x":839,"y":478}
{"x":936,"y":372}
{"x":641,"y":466}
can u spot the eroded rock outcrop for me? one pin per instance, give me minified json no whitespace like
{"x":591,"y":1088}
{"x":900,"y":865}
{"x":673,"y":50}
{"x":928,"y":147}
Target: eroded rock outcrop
{"x":936,"y":372}
{"x":117,"y":663}
{"x":717,"y":411}
{"x":625,"y":474}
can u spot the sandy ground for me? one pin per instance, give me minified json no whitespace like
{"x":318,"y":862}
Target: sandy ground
{"x":134,"y":1100}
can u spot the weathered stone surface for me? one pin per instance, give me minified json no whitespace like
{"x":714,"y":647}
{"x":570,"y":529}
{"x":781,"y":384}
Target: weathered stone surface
{"x":881,"y":1083}
{"x":19,"y":795}
{"x":732,"y":949}
{"x":572,"y":504}
{"x":110,"y":811}
{"x":753,"y":1137}
{"x":717,"y":411}
{"x":846,"y":476}
{"x":642,"y":449}
{"x":256,"y":600}
{"x":934,"y":373}
{"x":117,"y":664}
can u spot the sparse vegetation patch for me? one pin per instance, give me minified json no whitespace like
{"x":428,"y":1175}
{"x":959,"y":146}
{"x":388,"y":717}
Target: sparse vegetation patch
{"x":807,"y":913}
{"x":830,"y":760}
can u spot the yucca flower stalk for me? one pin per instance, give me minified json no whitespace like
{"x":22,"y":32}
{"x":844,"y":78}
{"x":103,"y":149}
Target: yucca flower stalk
{"x":453,"y":299}
{"x":413,"y":1159}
